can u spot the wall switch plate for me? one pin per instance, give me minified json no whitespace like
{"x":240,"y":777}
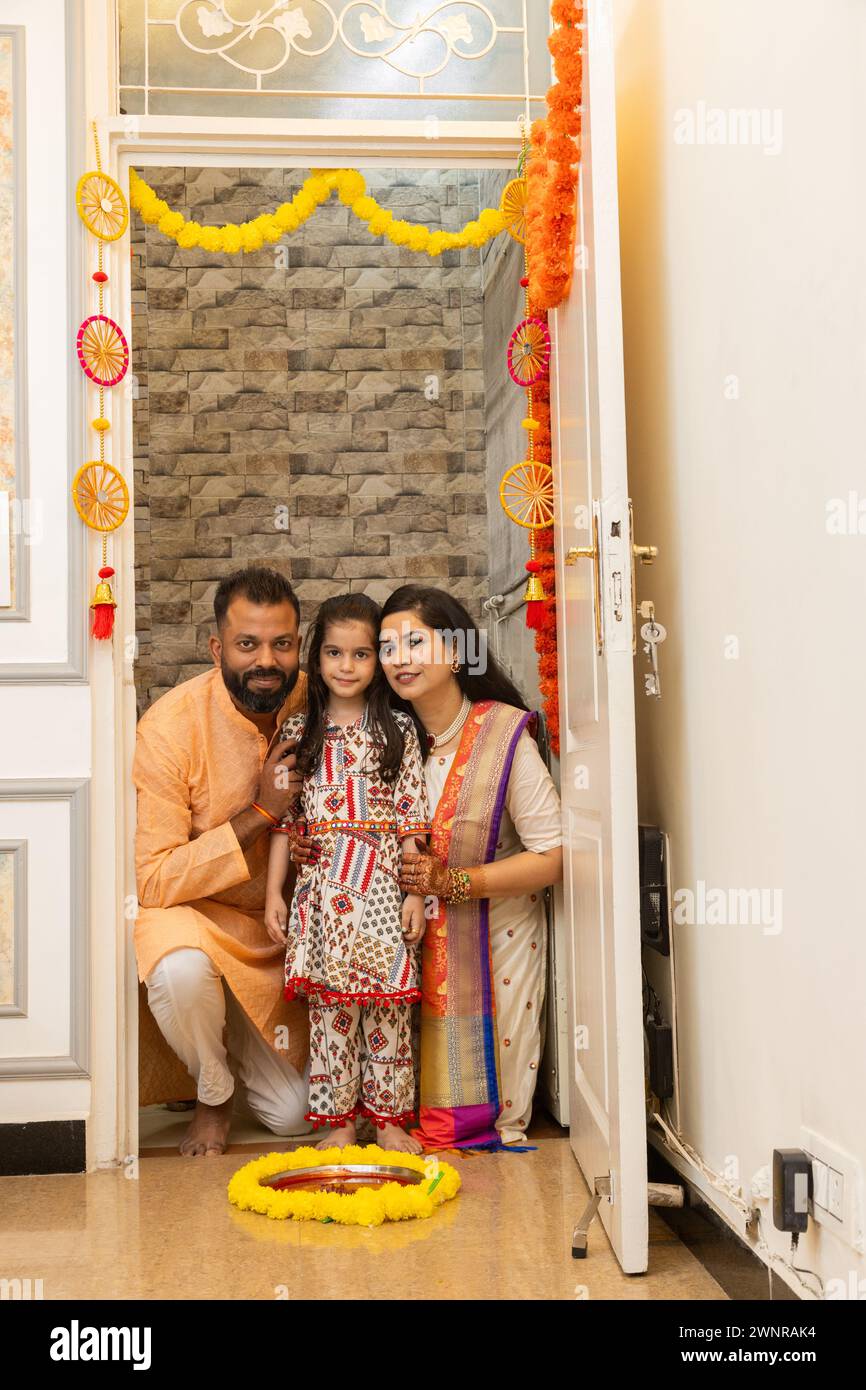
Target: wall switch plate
{"x":836,"y":1194}
{"x":820,"y":1180}
{"x":837,"y":1199}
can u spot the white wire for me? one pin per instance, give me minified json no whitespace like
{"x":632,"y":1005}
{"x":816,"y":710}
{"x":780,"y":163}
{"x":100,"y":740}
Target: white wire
{"x":732,"y":1194}
{"x":728,"y":1189}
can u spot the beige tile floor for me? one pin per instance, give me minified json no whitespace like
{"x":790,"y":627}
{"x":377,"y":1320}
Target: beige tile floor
{"x":171,"y":1233}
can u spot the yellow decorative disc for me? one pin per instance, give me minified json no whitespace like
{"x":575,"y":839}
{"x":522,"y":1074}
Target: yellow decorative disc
{"x":512,"y":205}
{"x":100,"y":495}
{"x":526,"y":494}
{"x":101,"y":205}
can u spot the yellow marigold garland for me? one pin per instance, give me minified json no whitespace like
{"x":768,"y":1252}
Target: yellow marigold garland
{"x":317,"y":189}
{"x":368,"y":1206}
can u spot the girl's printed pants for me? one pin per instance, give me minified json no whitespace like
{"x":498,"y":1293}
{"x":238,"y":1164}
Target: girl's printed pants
{"x":361,"y":1062}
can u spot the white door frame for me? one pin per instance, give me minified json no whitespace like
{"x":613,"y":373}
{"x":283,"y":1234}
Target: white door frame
{"x":158,"y":140}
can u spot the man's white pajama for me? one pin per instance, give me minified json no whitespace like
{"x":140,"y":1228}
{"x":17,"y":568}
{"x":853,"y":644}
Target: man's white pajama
{"x":193,"y":1007}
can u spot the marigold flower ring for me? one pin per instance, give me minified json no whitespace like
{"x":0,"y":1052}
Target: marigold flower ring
{"x":350,"y":1186}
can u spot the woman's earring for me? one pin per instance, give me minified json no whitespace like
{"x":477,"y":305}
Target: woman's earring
{"x":455,"y":666}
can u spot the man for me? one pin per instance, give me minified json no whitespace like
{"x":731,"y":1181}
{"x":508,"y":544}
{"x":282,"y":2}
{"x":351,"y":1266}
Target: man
{"x":211,"y":780}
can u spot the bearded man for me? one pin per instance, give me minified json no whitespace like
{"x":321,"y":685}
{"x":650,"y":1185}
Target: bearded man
{"x":211,"y":781}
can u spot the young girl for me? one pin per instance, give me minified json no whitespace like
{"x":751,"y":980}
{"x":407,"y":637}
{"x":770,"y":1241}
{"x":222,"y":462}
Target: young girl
{"x":351,"y":937}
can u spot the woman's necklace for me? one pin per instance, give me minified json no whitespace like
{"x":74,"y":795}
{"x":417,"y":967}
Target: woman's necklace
{"x":439,"y":740}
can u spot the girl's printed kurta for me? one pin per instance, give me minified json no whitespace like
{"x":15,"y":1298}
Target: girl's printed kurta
{"x":344,"y":932}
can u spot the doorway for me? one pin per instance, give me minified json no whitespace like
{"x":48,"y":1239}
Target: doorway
{"x":333,"y":406}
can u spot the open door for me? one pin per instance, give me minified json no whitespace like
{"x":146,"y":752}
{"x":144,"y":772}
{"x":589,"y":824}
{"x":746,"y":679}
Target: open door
{"x":597,"y":729}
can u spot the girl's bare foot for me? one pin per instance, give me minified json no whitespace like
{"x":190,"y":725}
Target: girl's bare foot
{"x":339,"y":1137}
{"x":392,"y":1137}
{"x":209,"y":1129}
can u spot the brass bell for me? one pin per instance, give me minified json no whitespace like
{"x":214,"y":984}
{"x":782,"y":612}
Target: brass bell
{"x":534,"y":590}
{"x":103,"y":594}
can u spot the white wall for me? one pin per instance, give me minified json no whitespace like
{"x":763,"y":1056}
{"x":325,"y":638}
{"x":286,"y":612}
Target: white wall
{"x":738,"y":263}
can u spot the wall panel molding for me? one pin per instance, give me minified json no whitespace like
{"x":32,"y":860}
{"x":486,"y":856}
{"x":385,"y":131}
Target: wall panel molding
{"x":16,"y":1006}
{"x":76,"y":1060}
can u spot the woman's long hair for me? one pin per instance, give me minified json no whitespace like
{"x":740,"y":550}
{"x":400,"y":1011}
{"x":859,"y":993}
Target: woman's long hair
{"x":386,"y":733}
{"x":480,"y":675}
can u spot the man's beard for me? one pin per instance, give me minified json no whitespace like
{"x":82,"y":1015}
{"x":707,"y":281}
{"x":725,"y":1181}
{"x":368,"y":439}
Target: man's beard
{"x":258,"y":701}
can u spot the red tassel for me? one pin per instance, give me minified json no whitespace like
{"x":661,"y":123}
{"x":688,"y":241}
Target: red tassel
{"x":103,"y":606}
{"x":535,"y":615}
{"x":102,"y":625}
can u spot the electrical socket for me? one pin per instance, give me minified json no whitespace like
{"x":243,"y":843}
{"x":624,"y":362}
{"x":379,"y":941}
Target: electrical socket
{"x":837,"y":1189}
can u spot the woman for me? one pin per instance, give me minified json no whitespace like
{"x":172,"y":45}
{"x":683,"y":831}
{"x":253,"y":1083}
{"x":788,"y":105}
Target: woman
{"x":495,"y":846}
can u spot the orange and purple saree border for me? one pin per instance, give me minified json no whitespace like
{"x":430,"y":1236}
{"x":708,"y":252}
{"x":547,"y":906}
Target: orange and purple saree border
{"x":460,"y":1083}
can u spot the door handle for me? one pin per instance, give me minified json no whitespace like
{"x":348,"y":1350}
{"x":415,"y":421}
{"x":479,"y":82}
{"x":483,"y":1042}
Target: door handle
{"x":590,"y":552}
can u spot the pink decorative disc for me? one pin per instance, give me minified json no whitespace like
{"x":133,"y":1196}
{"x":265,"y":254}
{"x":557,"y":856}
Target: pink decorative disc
{"x":102,"y":350}
{"x":528,"y":352}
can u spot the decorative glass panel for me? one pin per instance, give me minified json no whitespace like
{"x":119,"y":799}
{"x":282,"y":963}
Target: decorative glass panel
{"x":455,"y":59}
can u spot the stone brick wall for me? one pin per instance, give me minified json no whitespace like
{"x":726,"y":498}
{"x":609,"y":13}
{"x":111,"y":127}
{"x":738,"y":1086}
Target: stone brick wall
{"x":317,"y":406}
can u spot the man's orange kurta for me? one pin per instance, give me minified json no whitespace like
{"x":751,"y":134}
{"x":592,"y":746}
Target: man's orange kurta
{"x":197,"y":764}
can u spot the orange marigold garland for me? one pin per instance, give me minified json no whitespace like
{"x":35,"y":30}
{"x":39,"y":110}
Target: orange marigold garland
{"x":552,"y":170}
{"x":552,"y":173}
{"x":545,"y":618}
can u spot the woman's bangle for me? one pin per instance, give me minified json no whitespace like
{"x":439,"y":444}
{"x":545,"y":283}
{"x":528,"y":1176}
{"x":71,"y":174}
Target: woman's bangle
{"x":275,"y":820}
{"x":460,"y":884}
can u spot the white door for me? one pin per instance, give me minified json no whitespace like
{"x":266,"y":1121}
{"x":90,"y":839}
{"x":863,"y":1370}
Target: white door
{"x":597,"y":732}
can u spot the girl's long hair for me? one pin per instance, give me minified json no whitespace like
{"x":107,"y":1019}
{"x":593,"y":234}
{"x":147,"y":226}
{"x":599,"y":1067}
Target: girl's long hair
{"x":386,"y":733}
{"x":480,"y":675}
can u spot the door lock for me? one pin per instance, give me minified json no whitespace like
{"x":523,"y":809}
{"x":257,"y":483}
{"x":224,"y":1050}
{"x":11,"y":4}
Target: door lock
{"x":645,"y":553}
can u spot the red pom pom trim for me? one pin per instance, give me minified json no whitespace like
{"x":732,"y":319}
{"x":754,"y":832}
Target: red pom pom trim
{"x":323,"y":1121}
{"x":382,"y":1120}
{"x":314,"y":990}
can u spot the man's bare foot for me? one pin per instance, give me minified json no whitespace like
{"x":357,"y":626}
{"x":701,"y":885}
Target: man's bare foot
{"x":209,"y":1129}
{"x":392,"y":1137}
{"x":338,"y":1137}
